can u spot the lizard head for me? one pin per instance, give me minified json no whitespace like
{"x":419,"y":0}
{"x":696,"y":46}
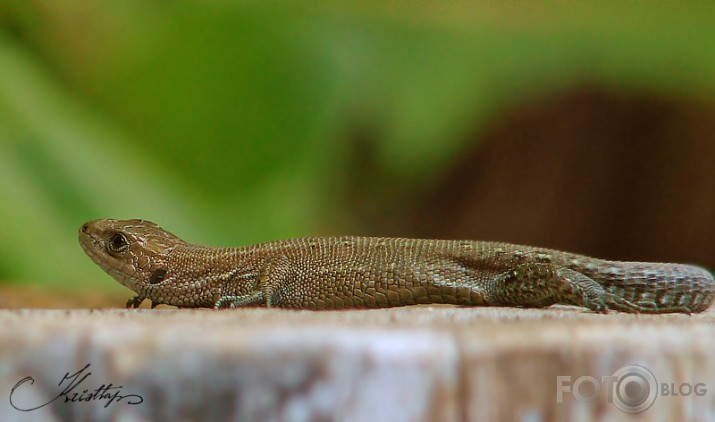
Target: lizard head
{"x":134,"y":252}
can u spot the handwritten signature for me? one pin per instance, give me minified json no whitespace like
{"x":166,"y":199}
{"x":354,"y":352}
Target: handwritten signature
{"x":108,"y":392}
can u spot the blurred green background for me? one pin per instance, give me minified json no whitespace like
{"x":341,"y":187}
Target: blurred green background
{"x":586,"y":127}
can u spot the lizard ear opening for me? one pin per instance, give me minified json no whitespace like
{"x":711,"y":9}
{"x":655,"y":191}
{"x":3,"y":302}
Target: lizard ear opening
{"x":157,"y":276}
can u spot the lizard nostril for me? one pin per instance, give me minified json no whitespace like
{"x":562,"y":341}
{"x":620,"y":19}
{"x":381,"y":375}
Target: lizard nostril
{"x":85,"y":228}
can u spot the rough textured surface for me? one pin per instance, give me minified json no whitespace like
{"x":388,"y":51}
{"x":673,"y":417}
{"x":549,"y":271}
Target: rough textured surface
{"x":400,"y":364}
{"x":372,"y":272}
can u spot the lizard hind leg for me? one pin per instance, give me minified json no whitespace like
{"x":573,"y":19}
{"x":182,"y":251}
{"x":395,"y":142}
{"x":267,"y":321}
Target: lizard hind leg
{"x":539,"y":284}
{"x":582,"y":290}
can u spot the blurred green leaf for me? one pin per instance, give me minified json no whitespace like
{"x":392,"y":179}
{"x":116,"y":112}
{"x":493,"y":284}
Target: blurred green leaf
{"x":232,"y":122}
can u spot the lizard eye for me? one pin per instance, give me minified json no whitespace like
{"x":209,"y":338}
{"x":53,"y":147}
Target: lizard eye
{"x":118,"y":244}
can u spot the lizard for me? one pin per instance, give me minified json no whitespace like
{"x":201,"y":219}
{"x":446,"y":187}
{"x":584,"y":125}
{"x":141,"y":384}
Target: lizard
{"x":376,"y":272}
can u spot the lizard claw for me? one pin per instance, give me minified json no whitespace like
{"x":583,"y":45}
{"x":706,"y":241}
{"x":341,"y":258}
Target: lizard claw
{"x":597,"y":305}
{"x":135,"y":302}
{"x":600,"y":308}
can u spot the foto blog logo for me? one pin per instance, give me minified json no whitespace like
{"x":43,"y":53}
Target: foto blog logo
{"x":632,"y":388}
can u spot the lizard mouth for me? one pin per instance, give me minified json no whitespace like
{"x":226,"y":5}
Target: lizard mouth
{"x":88,"y":242}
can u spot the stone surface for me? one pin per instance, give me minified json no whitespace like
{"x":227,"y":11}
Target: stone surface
{"x":403,"y":364}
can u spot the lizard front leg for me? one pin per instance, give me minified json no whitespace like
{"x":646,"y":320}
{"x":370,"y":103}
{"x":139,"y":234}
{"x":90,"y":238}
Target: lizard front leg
{"x":136,"y":301}
{"x":270,"y":279}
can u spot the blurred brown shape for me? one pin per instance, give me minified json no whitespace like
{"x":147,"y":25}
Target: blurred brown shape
{"x":627,"y":176}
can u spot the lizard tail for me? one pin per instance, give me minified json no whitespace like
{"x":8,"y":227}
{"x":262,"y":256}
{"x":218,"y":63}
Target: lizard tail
{"x":660,"y":288}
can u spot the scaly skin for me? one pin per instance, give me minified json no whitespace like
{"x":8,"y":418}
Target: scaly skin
{"x":371,"y":272}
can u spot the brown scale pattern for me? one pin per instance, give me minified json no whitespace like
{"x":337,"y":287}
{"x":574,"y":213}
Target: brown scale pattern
{"x":368,"y":272}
